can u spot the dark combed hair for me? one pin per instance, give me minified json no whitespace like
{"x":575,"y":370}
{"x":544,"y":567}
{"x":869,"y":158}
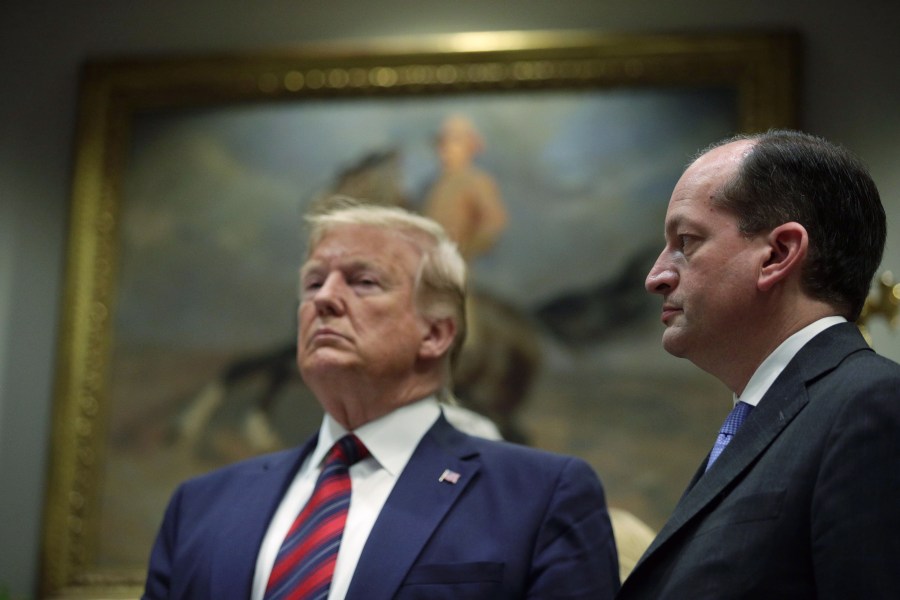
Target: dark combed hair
{"x":793,"y":176}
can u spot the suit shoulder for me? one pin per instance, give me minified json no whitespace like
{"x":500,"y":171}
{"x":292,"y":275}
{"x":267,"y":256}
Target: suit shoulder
{"x":863,"y":386}
{"x":866,"y":371}
{"x":879,"y":365}
{"x":513,"y":455}
{"x":225,"y":474}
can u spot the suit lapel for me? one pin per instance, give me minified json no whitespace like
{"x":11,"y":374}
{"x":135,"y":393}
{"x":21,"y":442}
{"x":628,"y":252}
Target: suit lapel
{"x":414,"y":509}
{"x":778,"y":407}
{"x":254,"y":501}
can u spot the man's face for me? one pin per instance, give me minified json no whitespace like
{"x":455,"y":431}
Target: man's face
{"x":707,"y":271}
{"x":357,"y":312}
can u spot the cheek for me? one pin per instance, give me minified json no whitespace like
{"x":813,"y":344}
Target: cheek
{"x":305,"y":314}
{"x":717,"y":299}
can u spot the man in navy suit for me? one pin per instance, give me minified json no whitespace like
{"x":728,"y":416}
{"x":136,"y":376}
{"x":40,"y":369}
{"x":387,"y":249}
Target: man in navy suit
{"x":435,"y":513}
{"x":771,"y":242}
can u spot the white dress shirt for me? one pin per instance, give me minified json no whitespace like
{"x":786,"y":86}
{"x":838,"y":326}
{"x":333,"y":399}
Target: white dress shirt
{"x":767,"y":372}
{"x":391,"y":441}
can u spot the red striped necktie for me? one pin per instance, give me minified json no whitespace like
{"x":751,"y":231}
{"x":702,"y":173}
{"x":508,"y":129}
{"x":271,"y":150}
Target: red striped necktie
{"x":305,"y":563}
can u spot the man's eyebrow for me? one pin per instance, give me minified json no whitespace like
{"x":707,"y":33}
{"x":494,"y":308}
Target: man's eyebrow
{"x":354,"y":264}
{"x":673,"y":223}
{"x":309,"y":267}
{"x":678,"y":219}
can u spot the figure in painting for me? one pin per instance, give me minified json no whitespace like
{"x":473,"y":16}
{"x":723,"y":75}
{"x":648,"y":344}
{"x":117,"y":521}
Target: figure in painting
{"x":500,"y":357}
{"x":465,"y":199}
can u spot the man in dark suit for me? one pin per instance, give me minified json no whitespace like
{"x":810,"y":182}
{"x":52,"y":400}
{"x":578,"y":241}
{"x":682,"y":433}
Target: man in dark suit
{"x":434,"y":513}
{"x":771,"y":244}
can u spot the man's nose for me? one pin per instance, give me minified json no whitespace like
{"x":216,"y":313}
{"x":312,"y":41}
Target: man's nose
{"x":662,"y":277}
{"x":329,"y":297}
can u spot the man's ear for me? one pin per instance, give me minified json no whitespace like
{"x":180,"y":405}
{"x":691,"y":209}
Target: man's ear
{"x":787,"y":246}
{"x":438,"y":337}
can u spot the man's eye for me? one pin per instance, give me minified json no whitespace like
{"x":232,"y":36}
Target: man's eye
{"x":686,"y":242}
{"x":311,"y":285}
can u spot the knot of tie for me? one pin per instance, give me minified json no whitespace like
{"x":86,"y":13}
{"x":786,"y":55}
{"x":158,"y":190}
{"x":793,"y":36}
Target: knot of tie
{"x":347,"y":451}
{"x":732,"y":423}
{"x":735,"y":418}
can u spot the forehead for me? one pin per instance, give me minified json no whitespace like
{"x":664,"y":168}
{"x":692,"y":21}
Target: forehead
{"x":693,"y":195}
{"x":369,"y":244}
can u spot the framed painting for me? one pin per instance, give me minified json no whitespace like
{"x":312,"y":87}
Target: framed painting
{"x":192,"y":176}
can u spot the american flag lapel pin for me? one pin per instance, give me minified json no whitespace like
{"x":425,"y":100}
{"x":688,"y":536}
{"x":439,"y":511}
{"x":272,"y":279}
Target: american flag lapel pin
{"x":449,"y":476}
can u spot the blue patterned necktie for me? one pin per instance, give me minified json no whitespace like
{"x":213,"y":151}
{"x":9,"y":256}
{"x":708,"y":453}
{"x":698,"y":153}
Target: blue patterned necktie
{"x":732,"y":422}
{"x":305,"y":563}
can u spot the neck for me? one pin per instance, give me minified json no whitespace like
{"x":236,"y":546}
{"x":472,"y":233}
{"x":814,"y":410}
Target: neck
{"x":353,"y":403}
{"x":761,"y":338}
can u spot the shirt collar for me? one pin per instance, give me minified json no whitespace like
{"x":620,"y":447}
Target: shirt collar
{"x":390,"y":439}
{"x":774,"y":364}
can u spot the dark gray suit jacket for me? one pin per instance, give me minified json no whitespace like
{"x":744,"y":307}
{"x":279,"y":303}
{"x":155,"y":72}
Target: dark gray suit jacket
{"x":805,"y":500}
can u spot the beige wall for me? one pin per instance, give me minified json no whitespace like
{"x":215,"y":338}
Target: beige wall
{"x":851,"y":91}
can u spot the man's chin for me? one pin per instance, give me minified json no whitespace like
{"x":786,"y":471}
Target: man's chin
{"x":323,"y":361}
{"x":673,"y":342}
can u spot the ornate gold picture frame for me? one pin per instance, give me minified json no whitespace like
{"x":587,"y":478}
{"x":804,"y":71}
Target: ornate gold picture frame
{"x":140,"y":203}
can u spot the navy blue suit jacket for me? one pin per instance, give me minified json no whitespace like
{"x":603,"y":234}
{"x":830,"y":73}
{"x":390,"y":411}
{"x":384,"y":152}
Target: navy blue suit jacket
{"x":804,"y":502}
{"x":519,"y":523}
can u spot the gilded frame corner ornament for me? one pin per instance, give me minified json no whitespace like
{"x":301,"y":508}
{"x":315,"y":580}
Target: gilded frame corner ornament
{"x":762,"y":68}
